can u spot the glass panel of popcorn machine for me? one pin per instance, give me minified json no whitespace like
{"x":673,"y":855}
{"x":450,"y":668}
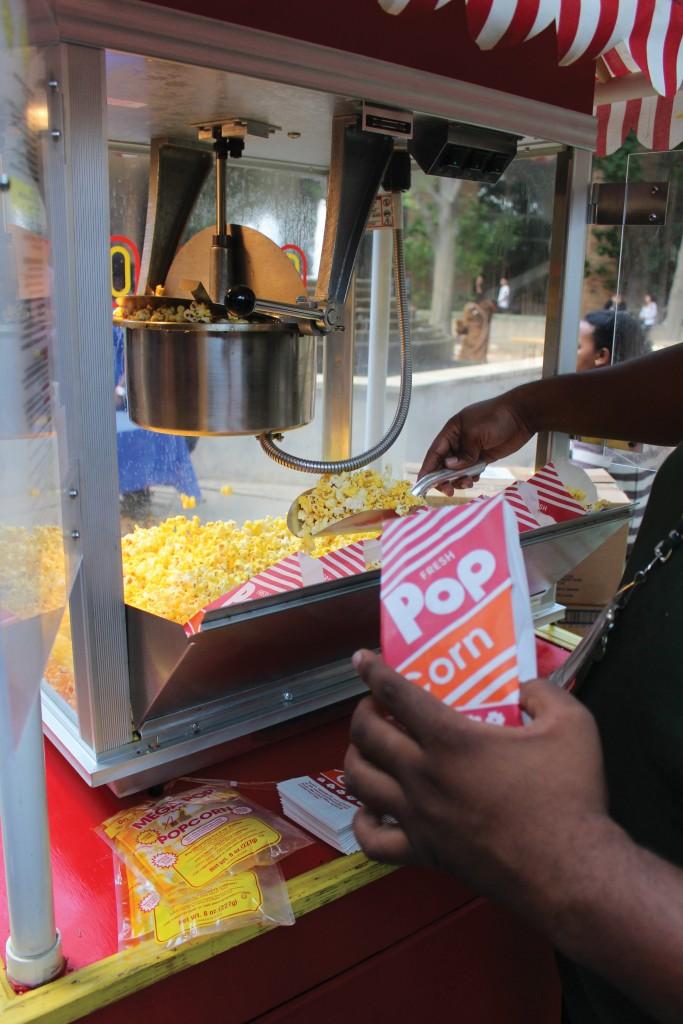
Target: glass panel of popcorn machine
{"x":206,"y":513}
{"x":477,"y":261}
{"x":38,"y":558}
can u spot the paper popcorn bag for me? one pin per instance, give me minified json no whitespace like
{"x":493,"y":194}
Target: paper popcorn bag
{"x":547,"y":495}
{"x":456,"y":617}
{"x":290,"y":573}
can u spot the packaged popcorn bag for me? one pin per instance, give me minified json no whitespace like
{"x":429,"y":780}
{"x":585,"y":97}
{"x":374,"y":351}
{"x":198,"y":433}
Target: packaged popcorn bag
{"x":455,"y":611}
{"x":190,"y":837}
{"x":258,"y":897}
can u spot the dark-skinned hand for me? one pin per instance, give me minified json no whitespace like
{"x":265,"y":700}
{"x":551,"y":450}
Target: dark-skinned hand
{"x":496,"y":806}
{"x":485,"y":432}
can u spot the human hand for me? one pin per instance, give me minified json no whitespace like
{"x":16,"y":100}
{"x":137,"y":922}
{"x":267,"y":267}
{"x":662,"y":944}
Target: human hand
{"x":482,"y":432}
{"x":501,"y":808}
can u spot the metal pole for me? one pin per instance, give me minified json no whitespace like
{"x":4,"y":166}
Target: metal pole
{"x":33,"y":951}
{"x":78,"y":190}
{"x":378,"y":338}
{"x":220,"y":267}
{"x":567,"y":254}
{"x":338,"y":349}
{"x":221,"y":193}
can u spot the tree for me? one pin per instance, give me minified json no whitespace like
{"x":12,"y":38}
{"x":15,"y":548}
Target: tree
{"x":419,"y":238}
{"x":446,"y":196}
{"x":505,"y":231}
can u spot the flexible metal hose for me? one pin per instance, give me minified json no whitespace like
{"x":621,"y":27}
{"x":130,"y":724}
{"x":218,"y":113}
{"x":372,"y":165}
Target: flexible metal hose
{"x":358,"y":461}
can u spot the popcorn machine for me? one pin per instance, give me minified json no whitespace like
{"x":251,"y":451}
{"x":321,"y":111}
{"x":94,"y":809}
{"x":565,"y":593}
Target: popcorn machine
{"x":223,"y":338}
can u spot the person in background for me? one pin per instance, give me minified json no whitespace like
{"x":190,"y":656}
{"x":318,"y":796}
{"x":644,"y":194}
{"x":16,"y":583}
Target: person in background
{"x":607,"y":337}
{"x":616,"y":302}
{"x":503,"y":300}
{"x":479,"y":292}
{"x":473,"y":331}
{"x":648,"y":312}
{"x":574,"y":820}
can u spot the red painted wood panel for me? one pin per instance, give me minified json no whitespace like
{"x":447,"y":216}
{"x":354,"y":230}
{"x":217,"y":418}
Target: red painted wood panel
{"x":252,"y":979}
{"x":477,"y":965}
{"x":436,"y":41}
{"x":372,"y":957}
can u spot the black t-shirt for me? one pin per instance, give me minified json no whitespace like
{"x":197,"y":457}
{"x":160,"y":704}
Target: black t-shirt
{"x":636,"y":696}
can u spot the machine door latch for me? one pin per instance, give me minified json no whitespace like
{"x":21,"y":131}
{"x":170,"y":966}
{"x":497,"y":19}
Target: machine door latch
{"x":636,"y":202}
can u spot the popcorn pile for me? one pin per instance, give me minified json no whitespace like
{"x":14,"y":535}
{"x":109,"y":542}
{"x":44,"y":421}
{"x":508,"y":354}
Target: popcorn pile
{"x":31,"y":570}
{"x":32,"y":582}
{"x":196,"y":312}
{"x":59,"y":671}
{"x":178,"y":567}
{"x":582,"y":498}
{"x":335,"y":497}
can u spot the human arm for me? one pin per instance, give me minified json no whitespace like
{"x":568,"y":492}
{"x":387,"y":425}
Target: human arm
{"x":520,"y":815}
{"x":640,"y":399}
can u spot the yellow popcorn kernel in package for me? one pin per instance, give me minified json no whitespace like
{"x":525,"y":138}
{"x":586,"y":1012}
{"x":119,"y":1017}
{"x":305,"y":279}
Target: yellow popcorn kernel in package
{"x":189,"y":838}
{"x":234,"y":901}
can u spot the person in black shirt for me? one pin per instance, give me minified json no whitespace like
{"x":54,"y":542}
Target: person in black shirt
{"x":575,"y":821}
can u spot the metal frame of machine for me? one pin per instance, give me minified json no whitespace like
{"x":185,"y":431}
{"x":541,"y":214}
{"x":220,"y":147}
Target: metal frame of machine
{"x":102,"y":745}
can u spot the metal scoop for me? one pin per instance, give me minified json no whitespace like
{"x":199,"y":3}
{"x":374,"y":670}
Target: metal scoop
{"x":370,"y":519}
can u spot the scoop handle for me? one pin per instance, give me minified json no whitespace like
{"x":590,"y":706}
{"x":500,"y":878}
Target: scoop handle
{"x":440,"y":476}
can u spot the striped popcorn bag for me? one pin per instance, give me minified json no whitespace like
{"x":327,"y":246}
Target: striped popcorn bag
{"x":545,"y":493}
{"x":455,"y":612}
{"x":514,"y":500}
{"x":346,"y":561}
{"x":291,"y":573}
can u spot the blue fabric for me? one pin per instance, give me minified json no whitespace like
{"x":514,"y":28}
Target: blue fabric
{"x":145,"y":457}
{"x":119,"y":359}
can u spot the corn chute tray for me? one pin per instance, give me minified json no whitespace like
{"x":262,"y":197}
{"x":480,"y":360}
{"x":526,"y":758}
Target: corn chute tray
{"x":259,"y":642}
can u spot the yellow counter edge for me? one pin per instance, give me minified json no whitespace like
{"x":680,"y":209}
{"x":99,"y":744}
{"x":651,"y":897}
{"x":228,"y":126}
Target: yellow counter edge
{"x":72,"y":997}
{"x":559,"y":636}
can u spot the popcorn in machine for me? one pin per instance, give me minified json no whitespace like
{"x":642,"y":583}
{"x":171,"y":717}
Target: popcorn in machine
{"x":224,"y":338}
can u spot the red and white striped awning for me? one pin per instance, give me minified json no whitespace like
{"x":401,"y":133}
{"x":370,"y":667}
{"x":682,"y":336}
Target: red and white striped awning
{"x":656,"y":121}
{"x":629,"y":35}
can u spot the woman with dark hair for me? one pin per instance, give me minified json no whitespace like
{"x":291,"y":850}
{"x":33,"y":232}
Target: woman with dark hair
{"x":609,"y":336}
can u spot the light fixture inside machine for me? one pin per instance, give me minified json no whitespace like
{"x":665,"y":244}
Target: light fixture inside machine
{"x":452,"y":150}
